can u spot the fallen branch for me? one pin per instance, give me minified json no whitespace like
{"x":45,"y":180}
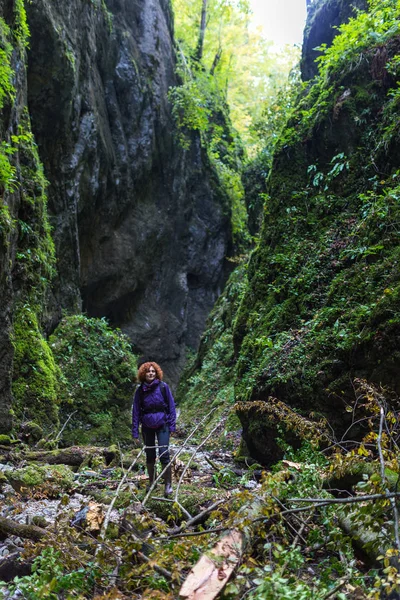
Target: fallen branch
{"x":351,"y":500}
{"x":178,"y":487}
{"x":199,"y":517}
{"x":212,"y":463}
{"x":121,"y":483}
{"x":181,"y":449}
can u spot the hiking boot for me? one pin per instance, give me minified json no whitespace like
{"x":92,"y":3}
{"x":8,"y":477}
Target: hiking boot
{"x":167,"y":481}
{"x":151,"y":469}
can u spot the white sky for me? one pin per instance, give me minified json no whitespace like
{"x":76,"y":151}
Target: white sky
{"x":282,"y":20}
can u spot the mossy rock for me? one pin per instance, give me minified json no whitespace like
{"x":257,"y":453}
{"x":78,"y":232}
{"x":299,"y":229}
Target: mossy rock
{"x":47,"y":444}
{"x":5,"y":440}
{"x":99,"y":374}
{"x":50,"y":480}
{"x":125,"y":497}
{"x":39,"y":521}
{"x":31,"y":432}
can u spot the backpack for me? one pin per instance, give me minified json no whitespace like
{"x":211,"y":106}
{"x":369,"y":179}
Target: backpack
{"x":164,"y":395}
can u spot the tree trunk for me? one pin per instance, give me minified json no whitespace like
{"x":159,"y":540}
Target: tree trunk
{"x":31,"y":532}
{"x":202,"y":31}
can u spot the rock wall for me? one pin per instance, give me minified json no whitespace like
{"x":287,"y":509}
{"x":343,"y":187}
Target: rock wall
{"x":140,"y":226}
{"x":322,"y":305}
{"x":323,"y":19}
{"x":10,"y":200}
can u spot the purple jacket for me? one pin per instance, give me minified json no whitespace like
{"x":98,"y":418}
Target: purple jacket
{"x":153,"y":413}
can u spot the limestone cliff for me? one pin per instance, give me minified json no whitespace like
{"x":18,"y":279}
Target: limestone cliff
{"x":141,"y":230}
{"x":141,"y":225}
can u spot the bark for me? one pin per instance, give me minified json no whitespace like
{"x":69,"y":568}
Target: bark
{"x":216,"y":60}
{"x":31,"y":532}
{"x":73,"y":456}
{"x":202,"y":31}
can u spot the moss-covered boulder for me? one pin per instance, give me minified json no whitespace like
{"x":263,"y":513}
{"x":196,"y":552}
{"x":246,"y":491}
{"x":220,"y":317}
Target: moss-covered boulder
{"x":30,"y":432}
{"x":49,"y":480}
{"x":36,"y":380}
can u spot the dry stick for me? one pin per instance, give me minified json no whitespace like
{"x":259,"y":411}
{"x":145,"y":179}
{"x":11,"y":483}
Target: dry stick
{"x":176,"y":455}
{"x":352,"y":500}
{"x":178,"y":487}
{"x":199,"y":516}
{"x":157,"y":568}
{"x":107,"y":518}
{"x":302,"y":523}
{"x":64,"y":426}
{"x":383,"y":477}
{"x":191,"y":534}
{"x":296,"y":541}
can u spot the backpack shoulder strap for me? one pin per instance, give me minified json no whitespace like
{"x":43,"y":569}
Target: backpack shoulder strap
{"x":140,"y":391}
{"x":164,"y":393}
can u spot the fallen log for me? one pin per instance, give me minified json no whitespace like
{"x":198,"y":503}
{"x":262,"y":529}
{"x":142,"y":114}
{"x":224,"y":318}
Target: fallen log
{"x":31,"y":532}
{"x":74,"y":456}
{"x":211,"y":573}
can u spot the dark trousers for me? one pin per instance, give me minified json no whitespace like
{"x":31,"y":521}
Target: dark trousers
{"x":149,"y":438}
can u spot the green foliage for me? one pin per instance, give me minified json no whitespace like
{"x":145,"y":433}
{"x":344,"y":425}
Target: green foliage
{"x":7,"y":90}
{"x":7,"y":94}
{"x":236,"y":70}
{"x":21,"y":29}
{"x":35,"y":257}
{"x":99,"y":370}
{"x":370,"y":28}
{"x":244,"y":66}
{"x":351,"y":50}
{"x":50,"y":579}
{"x":36,"y":377}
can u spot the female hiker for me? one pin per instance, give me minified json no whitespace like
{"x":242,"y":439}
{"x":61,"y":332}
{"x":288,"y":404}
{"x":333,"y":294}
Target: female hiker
{"x":154,"y":408}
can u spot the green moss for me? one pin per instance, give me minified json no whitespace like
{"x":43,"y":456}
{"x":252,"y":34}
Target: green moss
{"x":99,"y":370}
{"x":21,"y":29}
{"x":5,"y":440}
{"x":207,"y":383}
{"x":36,"y":379}
{"x":35,"y":258}
{"x":52,"y":479}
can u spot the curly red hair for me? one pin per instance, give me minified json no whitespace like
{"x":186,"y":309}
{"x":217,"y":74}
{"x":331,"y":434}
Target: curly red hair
{"x":145,"y":367}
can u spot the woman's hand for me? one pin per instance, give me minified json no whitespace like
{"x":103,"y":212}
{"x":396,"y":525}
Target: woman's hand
{"x":137,"y":443}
